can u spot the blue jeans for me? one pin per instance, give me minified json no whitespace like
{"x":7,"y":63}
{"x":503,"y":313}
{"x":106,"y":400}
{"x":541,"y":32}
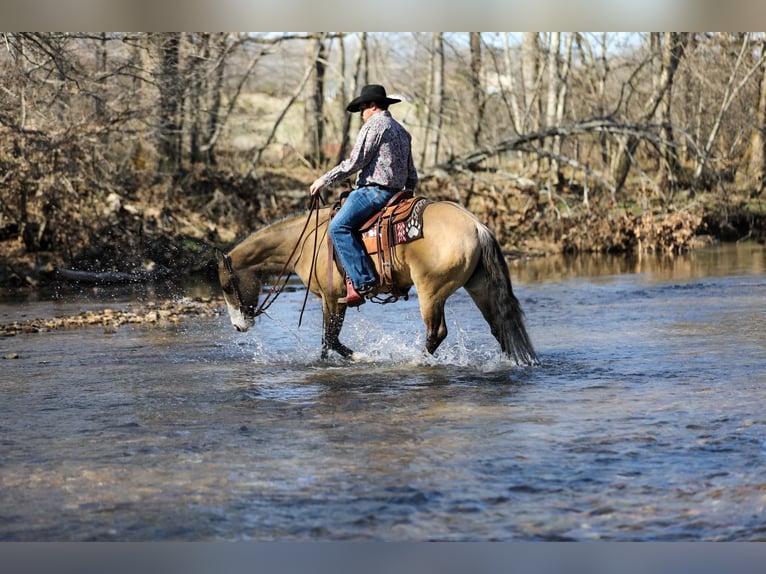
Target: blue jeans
{"x":361,"y":204}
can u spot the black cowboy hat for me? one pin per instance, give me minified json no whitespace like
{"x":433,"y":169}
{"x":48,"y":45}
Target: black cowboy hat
{"x":370,"y":93}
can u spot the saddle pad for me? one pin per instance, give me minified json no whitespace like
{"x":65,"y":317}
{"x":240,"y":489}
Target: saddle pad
{"x":405,"y":219}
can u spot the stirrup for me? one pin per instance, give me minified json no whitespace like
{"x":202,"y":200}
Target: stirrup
{"x":368,"y":292}
{"x":352,"y":298}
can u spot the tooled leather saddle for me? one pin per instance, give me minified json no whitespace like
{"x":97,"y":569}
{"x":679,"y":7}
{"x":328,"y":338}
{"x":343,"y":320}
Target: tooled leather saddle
{"x":400,"y":221}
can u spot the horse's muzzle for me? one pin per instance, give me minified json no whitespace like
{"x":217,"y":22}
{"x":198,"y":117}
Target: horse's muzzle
{"x":243,"y":325}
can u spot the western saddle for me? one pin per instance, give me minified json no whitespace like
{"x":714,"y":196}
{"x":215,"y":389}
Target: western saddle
{"x":400,"y":221}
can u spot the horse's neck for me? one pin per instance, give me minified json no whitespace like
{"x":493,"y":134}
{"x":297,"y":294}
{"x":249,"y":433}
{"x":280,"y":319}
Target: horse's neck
{"x":270,"y":247}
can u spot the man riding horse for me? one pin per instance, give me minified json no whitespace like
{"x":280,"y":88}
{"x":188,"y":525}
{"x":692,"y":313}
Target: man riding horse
{"x":453,"y":249}
{"x":382,"y":155}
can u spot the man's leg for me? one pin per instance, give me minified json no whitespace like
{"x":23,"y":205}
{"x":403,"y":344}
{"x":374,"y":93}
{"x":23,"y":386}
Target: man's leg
{"x":360,"y":205}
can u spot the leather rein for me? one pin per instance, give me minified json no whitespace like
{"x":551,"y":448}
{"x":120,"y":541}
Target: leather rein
{"x":284,"y":274}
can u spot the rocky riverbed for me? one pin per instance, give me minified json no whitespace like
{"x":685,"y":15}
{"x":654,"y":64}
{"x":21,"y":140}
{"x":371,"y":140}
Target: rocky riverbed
{"x":110,"y":319}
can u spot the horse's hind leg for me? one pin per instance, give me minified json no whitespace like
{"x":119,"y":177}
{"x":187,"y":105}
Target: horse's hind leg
{"x":333,"y":323}
{"x":501,"y":309}
{"x":432,"y":313}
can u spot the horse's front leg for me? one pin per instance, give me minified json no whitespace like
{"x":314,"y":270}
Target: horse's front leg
{"x":333,"y":323}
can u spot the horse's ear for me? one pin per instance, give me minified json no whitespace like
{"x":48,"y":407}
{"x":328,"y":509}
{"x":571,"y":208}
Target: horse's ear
{"x":218,"y":255}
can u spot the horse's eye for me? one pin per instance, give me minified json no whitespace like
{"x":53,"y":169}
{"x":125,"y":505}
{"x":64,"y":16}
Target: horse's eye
{"x":227,"y":288}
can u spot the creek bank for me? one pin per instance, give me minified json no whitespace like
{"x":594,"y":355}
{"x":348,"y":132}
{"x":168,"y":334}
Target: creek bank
{"x":151,"y":234}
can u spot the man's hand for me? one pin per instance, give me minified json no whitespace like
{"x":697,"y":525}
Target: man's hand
{"x":317,"y":186}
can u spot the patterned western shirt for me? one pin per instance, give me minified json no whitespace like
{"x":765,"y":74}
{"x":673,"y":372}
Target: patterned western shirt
{"x":382,"y":155}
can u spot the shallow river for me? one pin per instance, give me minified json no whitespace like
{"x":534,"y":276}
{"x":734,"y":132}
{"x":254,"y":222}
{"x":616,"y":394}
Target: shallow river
{"x":645,"y":421}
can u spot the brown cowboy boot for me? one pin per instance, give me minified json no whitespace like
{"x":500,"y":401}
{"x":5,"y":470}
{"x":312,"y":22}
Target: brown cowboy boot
{"x":352,"y":298}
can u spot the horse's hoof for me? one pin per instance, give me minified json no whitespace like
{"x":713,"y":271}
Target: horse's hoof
{"x":344,"y":351}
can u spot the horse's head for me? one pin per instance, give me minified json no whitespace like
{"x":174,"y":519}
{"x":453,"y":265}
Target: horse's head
{"x":240,"y":292}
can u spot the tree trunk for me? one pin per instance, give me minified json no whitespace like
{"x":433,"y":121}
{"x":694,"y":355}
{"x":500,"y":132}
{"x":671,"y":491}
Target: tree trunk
{"x":731,"y":92}
{"x":553,"y":79}
{"x":359,"y":75}
{"x":100,"y":94}
{"x":218,"y":114}
{"x":513,"y":96}
{"x":670,"y":165}
{"x":561,"y":101}
{"x":214,"y":117}
{"x":20,"y":63}
{"x":435,"y":101}
{"x":530,"y":62}
{"x":530,"y":66}
{"x":171,"y":98}
{"x":675,"y":43}
{"x":199,"y":55}
{"x":757,"y":165}
{"x":139,"y":57}
{"x":689,"y":88}
{"x":476,"y":87}
{"x":429,"y":97}
{"x":603,"y":70}
{"x":551,"y":103}
{"x":309,"y":72}
{"x":314,"y":134}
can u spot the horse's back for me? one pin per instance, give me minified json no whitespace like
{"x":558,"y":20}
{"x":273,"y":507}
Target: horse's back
{"x":449,"y":246}
{"x":448,"y":224}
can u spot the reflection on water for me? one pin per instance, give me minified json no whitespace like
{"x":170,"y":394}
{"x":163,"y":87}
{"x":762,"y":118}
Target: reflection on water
{"x":725,"y":259}
{"x":645,"y":421}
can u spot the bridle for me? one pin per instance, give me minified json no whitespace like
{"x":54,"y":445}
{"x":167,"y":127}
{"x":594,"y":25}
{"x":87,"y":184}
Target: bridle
{"x":276,"y":288}
{"x":234,"y":280}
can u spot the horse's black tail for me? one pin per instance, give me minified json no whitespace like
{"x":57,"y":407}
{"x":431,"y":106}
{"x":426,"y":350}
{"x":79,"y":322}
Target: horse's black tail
{"x":491,"y":290}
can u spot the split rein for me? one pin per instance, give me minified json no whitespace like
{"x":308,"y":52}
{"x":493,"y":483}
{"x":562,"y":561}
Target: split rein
{"x":284,"y":274}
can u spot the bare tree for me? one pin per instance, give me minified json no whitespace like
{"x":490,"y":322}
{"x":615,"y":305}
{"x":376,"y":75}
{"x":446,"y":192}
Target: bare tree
{"x":85,"y":115}
{"x":511,"y":97}
{"x":199,"y":54}
{"x":171,"y":100}
{"x":558,"y":72}
{"x":530,"y":81}
{"x":218,"y":53}
{"x":307,"y":74}
{"x":316,"y":51}
{"x":435,"y":103}
{"x":673,"y":49}
{"x":757,"y":164}
{"x":359,"y":75}
{"x":476,"y":85}
{"x":730,"y":94}
{"x":101,"y":74}
{"x":552,"y":63}
{"x":669,"y":170}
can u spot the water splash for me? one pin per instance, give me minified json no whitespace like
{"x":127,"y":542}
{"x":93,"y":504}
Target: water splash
{"x":277,"y":341}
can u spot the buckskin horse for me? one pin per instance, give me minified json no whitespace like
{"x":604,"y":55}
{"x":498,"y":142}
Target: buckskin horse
{"x":456,"y":250}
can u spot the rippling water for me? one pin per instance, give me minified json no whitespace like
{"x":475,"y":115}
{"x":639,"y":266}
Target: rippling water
{"x":646,"y":420}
